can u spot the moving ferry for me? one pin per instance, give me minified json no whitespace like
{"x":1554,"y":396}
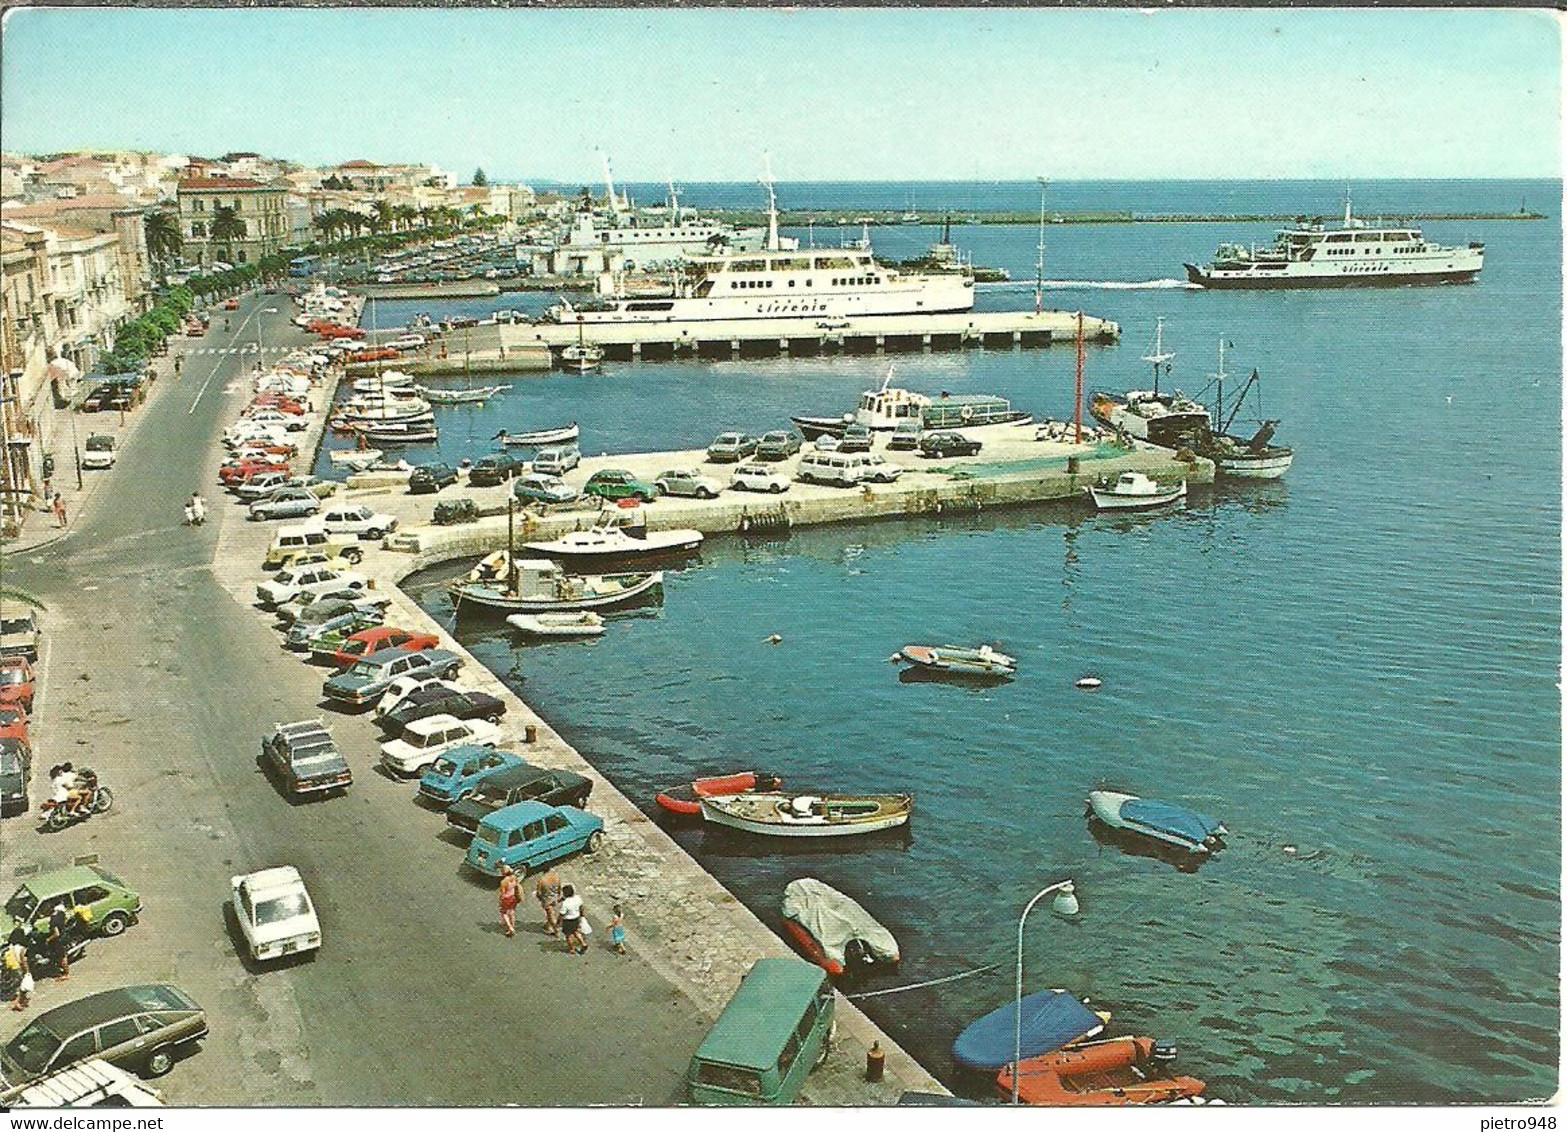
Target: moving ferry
{"x":1349,"y":256}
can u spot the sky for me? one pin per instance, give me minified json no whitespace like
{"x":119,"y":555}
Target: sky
{"x":941,"y":94}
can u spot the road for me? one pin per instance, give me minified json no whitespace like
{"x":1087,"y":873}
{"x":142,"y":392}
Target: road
{"x":163,"y":682}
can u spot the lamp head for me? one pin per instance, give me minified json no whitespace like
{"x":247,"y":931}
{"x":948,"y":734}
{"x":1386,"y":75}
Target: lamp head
{"x":1065,"y":901}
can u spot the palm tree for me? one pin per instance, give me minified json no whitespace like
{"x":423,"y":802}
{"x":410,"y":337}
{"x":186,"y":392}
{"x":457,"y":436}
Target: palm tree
{"x":325,"y":223}
{"x":406,"y":214}
{"x":226,"y":228}
{"x":426,"y":217}
{"x":383,"y":216}
{"x":163,"y":235}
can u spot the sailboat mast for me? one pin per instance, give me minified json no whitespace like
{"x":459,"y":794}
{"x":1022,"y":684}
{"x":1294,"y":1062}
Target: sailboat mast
{"x":1079,"y":411}
{"x":511,"y":544}
{"x":1039,"y":265}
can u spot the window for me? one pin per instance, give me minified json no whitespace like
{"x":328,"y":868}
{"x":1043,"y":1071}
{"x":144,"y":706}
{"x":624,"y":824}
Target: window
{"x":151,"y":1023}
{"x":555,"y":823}
{"x":117,"y":1033}
{"x":729,"y":1077}
{"x":74,"y":1050}
{"x":90,"y":895}
{"x":533,"y":830}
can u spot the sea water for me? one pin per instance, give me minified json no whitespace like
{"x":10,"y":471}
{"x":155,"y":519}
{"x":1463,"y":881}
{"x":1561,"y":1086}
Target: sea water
{"x":1355,"y":668}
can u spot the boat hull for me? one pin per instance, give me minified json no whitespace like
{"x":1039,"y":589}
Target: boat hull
{"x":1107,"y":806}
{"x":1105,"y":1073}
{"x":1218,"y":281}
{"x":767,"y":821}
{"x":557,"y":624}
{"x":543,"y":438}
{"x":476,"y":595}
{"x":1110,"y":501}
{"x":1267,"y":466}
{"x":717,"y":786}
{"x":959,"y":663}
{"x":655,"y":544}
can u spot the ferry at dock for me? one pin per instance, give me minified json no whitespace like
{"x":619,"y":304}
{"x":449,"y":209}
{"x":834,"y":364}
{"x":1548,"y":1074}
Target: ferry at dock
{"x":1352,"y":255}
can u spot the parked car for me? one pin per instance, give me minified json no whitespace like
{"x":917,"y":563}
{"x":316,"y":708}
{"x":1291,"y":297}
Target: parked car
{"x":275,"y":913}
{"x":906,"y":436}
{"x":826,"y":443}
{"x":369,"y":678}
{"x":530,"y":835}
{"x":290,"y":583}
{"x":13,"y":722}
{"x":855,"y":438}
{"x":730,"y":447}
{"x":97,"y":399}
{"x":16,"y":764}
{"x":329,"y":615}
{"x":557,"y":461}
{"x":100,"y":453}
{"x":833,"y":469}
{"x":356,"y":596}
{"x":284,"y":503}
{"x":773,"y":1032}
{"x":399,"y":690}
{"x":358,"y":520}
{"x":305,"y":759}
{"x":779,"y":444}
{"x":141,"y":1028}
{"x":538,"y":487}
{"x":90,"y":1084}
{"x":617,"y":483}
{"x":757,"y":477}
{"x":879,"y":469}
{"x":427,"y":478}
{"x":239,"y":472}
{"x":424,"y":739}
{"x":300,"y":543}
{"x":366,"y":641}
{"x":113,"y":905}
{"x":459,"y":772}
{"x":16,"y":682}
{"x":495,"y":468}
{"x":442,"y":699}
{"x":520,"y":783}
{"x":688,"y":481}
{"x":20,"y":633}
{"x":939,"y":444}
{"x":231,"y":305}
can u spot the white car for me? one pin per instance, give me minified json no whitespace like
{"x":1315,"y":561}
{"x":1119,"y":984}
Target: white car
{"x":288,"y":422}
{"x":289,"y":584}
{"x":404,"y":686}
{"x":275,"y":913}
{"x":688,"y":481}
{"x":100,"y":452}
{"x":879,"y":469}
{"x":424,"y":740}
{"x":407,"y":342}
{"x":358,"y":520}
{"x":758,"y":477}
{"x":236,"y":435}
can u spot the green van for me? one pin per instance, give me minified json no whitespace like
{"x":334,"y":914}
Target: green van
{"x":774,"y":1031}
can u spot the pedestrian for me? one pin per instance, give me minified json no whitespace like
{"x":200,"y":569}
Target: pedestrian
{"x":509,"y":896}
{"x":179,"y":364}
{"x":617,"y":932}
{"x":548,"y":892}
{"x":190,"y":515}
{"x":59,"y":509}
{"x":15,"y":967}
{"x":198,"y":508}
{"x":571,"y":921}
{"x":58,"y":945}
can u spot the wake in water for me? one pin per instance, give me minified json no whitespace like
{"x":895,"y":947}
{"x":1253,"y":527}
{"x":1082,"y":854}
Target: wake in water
{"x":1093,"y":285}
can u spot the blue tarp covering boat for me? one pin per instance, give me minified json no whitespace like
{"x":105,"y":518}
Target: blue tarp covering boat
{"x":1171,"y":819}
{"x":1051,"y":1019}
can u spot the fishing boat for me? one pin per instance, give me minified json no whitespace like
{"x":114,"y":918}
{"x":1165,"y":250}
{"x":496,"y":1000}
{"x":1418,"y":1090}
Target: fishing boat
{"x":470,"y":396}
{"x":581,"y":358}
{"x":834,"y":931}
{"x":952,"y":660}
{"x":1134,"y":491}
{"x":775,"y":814}
{"x":1164,"y":419}
{"x":401,"y":433}
{"x":1254,"y":458}
{"x":1050,"y":1020}
{"x":542,"y":586}
{"x":584,"y":623}
{"x":1159,"y":821}
{"x":686,"y":800}
{"x":1112,"y":1072}
{"x":618,"y":533}
{"x":541,"y":438}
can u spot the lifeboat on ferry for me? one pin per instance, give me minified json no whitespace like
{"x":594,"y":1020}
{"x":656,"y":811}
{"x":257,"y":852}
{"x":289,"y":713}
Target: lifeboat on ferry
{"x":1118,"y":1071}
{"x":686,"y":800}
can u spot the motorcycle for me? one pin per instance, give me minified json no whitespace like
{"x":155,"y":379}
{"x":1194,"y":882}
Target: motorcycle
{"x":55,"y":816}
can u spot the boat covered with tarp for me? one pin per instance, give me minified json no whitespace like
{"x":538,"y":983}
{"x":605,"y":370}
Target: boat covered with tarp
{"x":1052,"y":1019}
{"x":835,"y":931}
{"x":1162,"y":821}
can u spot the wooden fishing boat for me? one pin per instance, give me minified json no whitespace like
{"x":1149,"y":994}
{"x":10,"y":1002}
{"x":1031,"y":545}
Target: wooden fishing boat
{"x":686,"y":800}
{"x":541,"y":586}
{"x":581,"y":359}
{"x":1159,"y":821}
{"x":583,"y":623}
{"x":541,"y":438}
{"x":834,"y":931}
{"x":1134,"y":491}
{"x":1117,"y":1071}
{"x":808,"y":815}
{"x":952,"y":660}
{"x":471,"y":396}
{"x":411,"y":434}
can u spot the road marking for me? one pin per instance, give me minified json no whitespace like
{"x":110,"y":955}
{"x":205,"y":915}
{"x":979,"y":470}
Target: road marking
{"x":202,"y":392}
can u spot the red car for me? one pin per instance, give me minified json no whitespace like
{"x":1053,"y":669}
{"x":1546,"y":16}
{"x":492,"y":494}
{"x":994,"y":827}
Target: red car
{"x":361,"y":644}
{"x":194,"y":330}
{"x":274,"y":401}
{"x":235,"y":474}
{"x":377,"y":355}
{"x":16,"y":682}
{"x":231,"y":305}
{"x":13,"y":722}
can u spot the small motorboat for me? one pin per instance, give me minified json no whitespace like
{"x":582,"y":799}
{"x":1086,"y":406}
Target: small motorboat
{"x":471,"y":396}
{"x":581,"y":358}
{"x":541,"y":438}
{"x":1160,"y":821}
{"x":952,"y":660}
{"x":583,"y":623}
{"x":1134,"y":491}
{"x":773,"y":814}
{"x":1117,"y":1071}
{"x":686,"y":800}
{"x":541,"y":586}
{"x":834,"y":931}
{"x":355,"y":458}
{"x":1051,"y":1020}
{"x":618,"y":534}
{"x":413,"y":434}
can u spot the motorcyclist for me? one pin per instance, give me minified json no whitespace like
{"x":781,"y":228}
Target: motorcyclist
{"x":66,"y":789}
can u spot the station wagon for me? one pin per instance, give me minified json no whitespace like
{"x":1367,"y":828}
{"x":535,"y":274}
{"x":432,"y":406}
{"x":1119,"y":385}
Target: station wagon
{"x":774,"y":1031}
{"x":529,"y":835}
{"x":779,"y":444}
{"x":141,"y":1028}
{"x":291,"y":543}
{"x":554,"y":461}
{"x":729,"y":447}
{"x":540,"y":488}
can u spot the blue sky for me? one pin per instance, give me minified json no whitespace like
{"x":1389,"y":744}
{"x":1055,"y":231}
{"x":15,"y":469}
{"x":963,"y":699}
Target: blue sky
{"x":832,"y":94}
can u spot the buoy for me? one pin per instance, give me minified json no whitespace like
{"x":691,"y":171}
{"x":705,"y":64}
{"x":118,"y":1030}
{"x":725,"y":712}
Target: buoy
{"x":1089,"y":683}
{"x":775,"y":639}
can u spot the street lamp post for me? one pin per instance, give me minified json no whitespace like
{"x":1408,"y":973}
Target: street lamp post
{"x":1065,"y":904}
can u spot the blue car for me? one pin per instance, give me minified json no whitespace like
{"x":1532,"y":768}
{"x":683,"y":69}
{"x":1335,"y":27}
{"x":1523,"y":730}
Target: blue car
{"x":458,"y":772}
{"x":530,"y":835}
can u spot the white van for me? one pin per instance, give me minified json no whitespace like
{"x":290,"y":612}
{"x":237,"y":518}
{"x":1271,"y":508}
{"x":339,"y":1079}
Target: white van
{"x":835,"y":469}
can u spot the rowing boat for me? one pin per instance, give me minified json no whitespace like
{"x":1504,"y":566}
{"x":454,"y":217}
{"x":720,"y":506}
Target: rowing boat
{"x":808,"y":815}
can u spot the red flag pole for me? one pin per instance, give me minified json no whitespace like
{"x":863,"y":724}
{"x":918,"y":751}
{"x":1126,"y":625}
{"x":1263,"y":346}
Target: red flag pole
{"x":1079,"y":377}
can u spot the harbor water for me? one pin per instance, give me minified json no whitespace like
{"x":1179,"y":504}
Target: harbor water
{"x":1355,"y":668}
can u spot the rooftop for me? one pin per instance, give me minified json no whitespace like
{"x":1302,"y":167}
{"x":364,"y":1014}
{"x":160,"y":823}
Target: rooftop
{"x":201,"y":184}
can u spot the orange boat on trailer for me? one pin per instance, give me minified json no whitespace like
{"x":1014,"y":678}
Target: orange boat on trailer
{"x":1120,"y":1071}
{"x":675,"y":801}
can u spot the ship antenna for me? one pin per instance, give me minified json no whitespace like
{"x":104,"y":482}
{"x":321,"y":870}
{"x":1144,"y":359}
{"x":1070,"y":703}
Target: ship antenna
{"x":772,"y":202}
{"x":674,"y":203}
{"x":609,"y":184}
{"x":1158,"y":357}
{"x":886,"y":381}
{"x":1039,"y":265}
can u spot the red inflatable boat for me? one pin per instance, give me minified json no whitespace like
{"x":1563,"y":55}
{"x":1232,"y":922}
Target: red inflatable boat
{"x":683,"y":800}
{"x":1120,"y":1071}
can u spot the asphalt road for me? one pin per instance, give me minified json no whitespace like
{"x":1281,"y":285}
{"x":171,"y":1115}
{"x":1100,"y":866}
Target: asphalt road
{"x":158,"y":678}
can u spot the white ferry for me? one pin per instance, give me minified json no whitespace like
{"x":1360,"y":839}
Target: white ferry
{"x":1350,"y":256}
{"x":779,"y":282}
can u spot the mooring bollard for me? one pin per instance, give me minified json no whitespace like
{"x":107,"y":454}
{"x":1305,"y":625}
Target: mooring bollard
{"x":530,"y":734}
{"x":875,"y":1063}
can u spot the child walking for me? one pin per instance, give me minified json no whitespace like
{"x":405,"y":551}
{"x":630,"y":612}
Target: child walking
{"x":617,"y":932}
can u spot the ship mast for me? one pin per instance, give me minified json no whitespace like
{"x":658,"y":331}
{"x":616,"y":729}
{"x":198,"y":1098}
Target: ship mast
{"x":772,"y":203}
{"x":1218,"y":378}
{"x":1158,"y":357}
{"x":1039,"y":265}
{"x":674,"y":204}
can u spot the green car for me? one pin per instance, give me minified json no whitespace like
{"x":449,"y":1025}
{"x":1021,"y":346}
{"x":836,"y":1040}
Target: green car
{"x":114,"y":906}
{"x":775,"y":1030}
{"x":615,"y":483}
